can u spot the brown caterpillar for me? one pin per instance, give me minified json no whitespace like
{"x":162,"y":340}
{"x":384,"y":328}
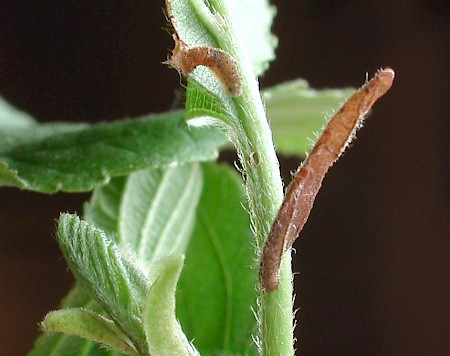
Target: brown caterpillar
{"x":307,"y":181}
{"x":185,"y":59}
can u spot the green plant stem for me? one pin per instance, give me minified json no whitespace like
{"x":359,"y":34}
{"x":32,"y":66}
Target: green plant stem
{"x":276,"y":309}
{"x":251,"y":134}
{"x":265,"y":194}
{"x":253,"y":140}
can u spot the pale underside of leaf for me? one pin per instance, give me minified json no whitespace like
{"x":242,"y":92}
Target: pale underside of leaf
{"x":87,"y":324}
{"x":162,"y":330}
{"x":157,"y":210}
{"x":119,"y":198}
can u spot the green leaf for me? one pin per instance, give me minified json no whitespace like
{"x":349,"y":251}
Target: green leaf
{"x":151,"y":211}
{"x":114,"y":281}
{"x":171,"y":191}
{"x":56,"y":344}
{"x":77,"y":159}
{"x":163,"y":332}
{"x":157,"y":212}
{"x":296,"y":112}
{"x":87,"y":324}
{"x":130,"y":298}
{"x":10,"y":178}
{"x":217,"y":286}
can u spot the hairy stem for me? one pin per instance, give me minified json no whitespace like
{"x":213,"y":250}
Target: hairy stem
{"x":249,"y":130}
{"x":253,"y":140}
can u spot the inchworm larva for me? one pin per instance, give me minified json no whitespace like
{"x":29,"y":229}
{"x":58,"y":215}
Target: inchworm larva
{"x":306,"y":183}
{"x":185,"y":59}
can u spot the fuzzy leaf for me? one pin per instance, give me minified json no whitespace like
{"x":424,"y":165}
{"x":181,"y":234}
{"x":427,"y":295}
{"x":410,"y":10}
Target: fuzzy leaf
{"x":161,"y":327}
{"x":296,"y":112}
{"x":135,"y":198}
{"x":86,"y":324}
{"x":116,"y":283}
{"x":73,"y":158}
{"x":217,"y":285}
{"x":55,"y":344}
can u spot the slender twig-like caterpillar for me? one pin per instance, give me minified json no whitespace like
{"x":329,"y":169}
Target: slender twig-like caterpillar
{"x":307,"y":181}
{"x":185,"y":59}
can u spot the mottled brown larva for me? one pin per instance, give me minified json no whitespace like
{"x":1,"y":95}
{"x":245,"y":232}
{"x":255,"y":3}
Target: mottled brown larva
{"x":185,"y":59}
{"x":306,"y":183}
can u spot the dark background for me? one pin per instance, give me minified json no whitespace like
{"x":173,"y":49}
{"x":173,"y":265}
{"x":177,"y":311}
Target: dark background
{"x":373,"y":260}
